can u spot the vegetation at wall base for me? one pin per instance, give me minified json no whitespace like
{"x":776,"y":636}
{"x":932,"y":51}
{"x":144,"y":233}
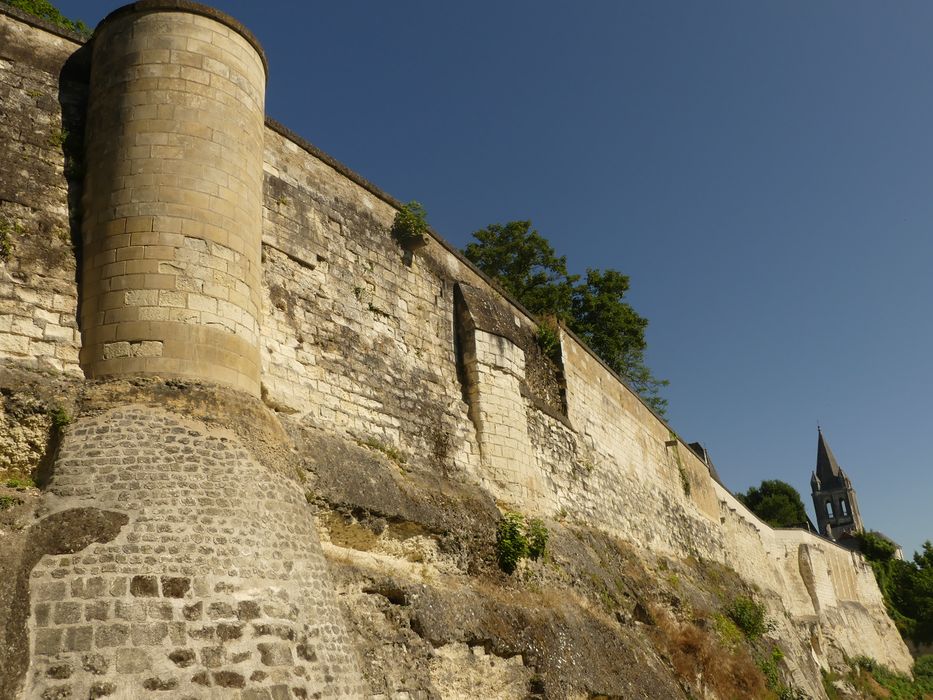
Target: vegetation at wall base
{"x":875,"y":681}
{"x":523,"y":263}
{"x":713,"y":657}
{"x":9,"y":501}
{"x":749,"y":616}
{"x":776,"y":502}
{"x":43,"y":9}
{"x":907,"y":586}
{"x":20,"y":483}
{"x":517,"y":539}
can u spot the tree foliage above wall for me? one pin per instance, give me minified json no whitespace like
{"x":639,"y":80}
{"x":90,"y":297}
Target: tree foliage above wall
{"x":47,"y":11}
{"x":776,"y":502}
{"x":525,"y":265}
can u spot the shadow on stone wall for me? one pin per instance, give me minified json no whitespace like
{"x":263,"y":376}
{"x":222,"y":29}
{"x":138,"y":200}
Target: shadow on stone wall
{"x":72,"y":98}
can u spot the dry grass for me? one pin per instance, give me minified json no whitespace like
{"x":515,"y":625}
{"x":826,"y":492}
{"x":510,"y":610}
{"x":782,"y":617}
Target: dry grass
{"x":702,"y":662}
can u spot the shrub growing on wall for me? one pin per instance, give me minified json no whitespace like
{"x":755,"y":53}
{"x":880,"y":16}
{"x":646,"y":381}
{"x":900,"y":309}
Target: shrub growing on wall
{"x":517,"y":539}
{"x":410,"y":227}
{"x":749,"y":616}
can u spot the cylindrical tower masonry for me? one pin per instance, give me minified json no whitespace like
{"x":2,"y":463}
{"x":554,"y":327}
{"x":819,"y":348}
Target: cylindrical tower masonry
{"x":172,"y":208}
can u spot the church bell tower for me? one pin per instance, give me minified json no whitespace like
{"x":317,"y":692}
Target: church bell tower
{"x":834,"y":498}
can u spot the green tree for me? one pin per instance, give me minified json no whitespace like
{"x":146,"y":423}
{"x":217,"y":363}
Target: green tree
{"x":907,"y":586}
{"x":524,"y":264}
{"x":776,"y":502}
{"x":615,"y":331}
{"x":913,"y":593}
{"x":47,"y":11}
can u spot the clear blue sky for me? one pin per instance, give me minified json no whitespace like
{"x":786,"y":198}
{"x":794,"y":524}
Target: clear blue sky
{"x":763,"y":172}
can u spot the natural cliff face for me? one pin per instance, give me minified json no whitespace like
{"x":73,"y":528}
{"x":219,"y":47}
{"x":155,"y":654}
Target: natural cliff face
{"x":335,"y":538}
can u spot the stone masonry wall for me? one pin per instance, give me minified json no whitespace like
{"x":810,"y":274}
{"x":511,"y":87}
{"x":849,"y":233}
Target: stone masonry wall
{"x":172,"y":200}
{"x":496,"y":368}
{"x":217,"y":583}
{"x":809,"y":578}
{"x":204,"y":589}
{"x":43,"y":86}
{"x":357,"y":335}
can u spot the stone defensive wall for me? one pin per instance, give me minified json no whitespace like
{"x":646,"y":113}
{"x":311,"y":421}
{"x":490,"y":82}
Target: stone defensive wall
{"x":153,"y":222}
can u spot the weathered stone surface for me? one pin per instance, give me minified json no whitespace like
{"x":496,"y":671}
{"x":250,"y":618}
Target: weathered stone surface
{"x":228,"y":679}
{"x":175,"y":586}
{"x":171,"y":275}
{"x":182,"y":657}
{"x":43,"y":88}
{"x":174,"y":556}
{"x":101,"y":690}
{"x":144,"y":586}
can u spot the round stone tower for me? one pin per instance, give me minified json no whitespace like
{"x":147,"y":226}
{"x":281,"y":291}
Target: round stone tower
{"x":172,"y":207}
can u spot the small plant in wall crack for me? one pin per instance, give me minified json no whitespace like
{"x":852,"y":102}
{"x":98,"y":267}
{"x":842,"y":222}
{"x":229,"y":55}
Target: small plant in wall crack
{"x":8,"y":232}
{"x":517,"y":539}
{"x":389,"y":451}
{"x":60,"y":418}
{"x":377,"y":311}
{"x":58,"y":138}
{"x":673,"y":445}
{"x":410,"y":226}
{"x":684,"y":480}
{"x":548,"y":338}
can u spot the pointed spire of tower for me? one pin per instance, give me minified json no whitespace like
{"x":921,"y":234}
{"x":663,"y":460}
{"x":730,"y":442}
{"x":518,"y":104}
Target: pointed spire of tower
{"x":834,"y":500}
{"x":826,"y":465}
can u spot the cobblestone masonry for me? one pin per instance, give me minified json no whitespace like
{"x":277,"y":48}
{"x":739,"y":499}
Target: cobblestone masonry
{"x":217,"y":587}
{"x":172,"y":199}
{"x":357,"y":338}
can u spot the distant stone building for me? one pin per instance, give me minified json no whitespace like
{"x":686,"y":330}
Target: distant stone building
{"x":837,"y":512}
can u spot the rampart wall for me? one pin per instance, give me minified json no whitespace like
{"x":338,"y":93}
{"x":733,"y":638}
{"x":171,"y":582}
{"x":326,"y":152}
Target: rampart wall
{"x":417,"y":351}
{"x":413,"y":351}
